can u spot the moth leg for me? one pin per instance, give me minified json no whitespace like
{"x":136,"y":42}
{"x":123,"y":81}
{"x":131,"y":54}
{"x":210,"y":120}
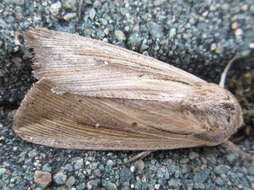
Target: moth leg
{"x":234,"y":148}
{"x":139,"y":156}
{"x":224,"y":73}
{"x":236,"y":139}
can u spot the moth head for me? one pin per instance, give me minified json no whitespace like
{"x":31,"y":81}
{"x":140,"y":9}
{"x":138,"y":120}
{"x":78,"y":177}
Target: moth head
{"x":218,"y":111}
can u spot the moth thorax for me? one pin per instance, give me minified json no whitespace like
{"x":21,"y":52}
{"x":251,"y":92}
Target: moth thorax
{"x":218,"y":110}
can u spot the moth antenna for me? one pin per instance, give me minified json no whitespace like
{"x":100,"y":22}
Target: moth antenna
{"x":224,"y":73}
{"x":230,"y":146}
{"x":235,"y":149}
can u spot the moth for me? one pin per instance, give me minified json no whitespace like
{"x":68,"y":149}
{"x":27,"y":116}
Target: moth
{"x":97,"y":96}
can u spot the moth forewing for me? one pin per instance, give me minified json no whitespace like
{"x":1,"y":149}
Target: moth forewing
{"x":94,"y":68}
{"x":93,"y":95}
{"x":82,"y":122}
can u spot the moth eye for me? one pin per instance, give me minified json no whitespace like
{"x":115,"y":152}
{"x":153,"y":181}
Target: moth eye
{"x":228,"y":106}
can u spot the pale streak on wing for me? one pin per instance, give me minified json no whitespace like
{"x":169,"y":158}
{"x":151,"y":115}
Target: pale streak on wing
{"x":80,"y":122}
{"x":94,"y":68}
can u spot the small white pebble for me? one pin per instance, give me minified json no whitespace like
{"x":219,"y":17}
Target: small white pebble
{"x":55,"y":8}
{"x":157,"y":186}
{"x":105,"y":40}
{"x":106,"y":31}
{"x":15,"y":148}
{"x":172,"y":32}
{"x":44,"y":3}
{"x":1,"y":125}
{"x":244,"y":7}
{"x":144,"y":180}
{"x":239,"y":32}
{"x":205,"y":13}
{"x":12,"y":180}
{"x":234,"y":25}
{"x":69,"y":16}
{"x":251,"y":45}
{"x":89,"y":186}
{"x":213,"y":47}
{"x":87,"y":163}
{"x":132,"y":168}
{"x":105,"y":62}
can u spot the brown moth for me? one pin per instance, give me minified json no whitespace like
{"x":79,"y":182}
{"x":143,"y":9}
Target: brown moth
{"x":97,"y":96}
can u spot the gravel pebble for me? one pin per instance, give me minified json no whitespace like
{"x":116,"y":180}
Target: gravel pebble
{"x":110,"y":163}
{"x":46,"y":167}
{"x":43,"y":178}
{"x":110,"y":186}
{"x":251,"y":170}
{"x":69,"y":16}
{"x":70,"y":181}
{"x":156,"y":30}
{"x":202,"y":176}
{"x":32,"y":153}
{"x":221,"y":169}
{"x":125,"y":175}
{"x":60,"y":178}
{"x":193,"y":155}
{"x":92,"y":13}
{"x":174,"y":183}
{"x":55,"y":8}
{"x":67,"y":167}
{"x":93,"y":184}
{"x":219,"y":181}
{"x":120,"y":35}
{"x":139,"y":166}
{"x":2,"y":171}
{"x":231,"y":157}
{"x":69,"y":4}
{"x":78,"y":163}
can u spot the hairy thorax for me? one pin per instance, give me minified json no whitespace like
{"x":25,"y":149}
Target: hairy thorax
{"x":218,"y":110}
